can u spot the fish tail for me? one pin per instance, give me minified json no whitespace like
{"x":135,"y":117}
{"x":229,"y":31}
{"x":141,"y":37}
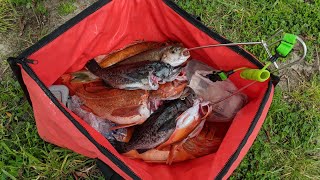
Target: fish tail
{"x":121,"y":147}
{"x":93,"y":66}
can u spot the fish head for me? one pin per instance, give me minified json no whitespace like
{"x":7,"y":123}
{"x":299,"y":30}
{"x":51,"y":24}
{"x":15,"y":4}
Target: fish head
{"x":175,"y":55}
{"x":188,"y":95}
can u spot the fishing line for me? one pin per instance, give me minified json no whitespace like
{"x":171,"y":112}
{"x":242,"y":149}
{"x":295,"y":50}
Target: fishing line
{"x":217,"y":45}
{"x":236,"y":92}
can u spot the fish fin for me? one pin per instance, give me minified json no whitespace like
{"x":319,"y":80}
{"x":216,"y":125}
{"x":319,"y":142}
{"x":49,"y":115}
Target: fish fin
{"x":132,"y":154}
{"x":175,"y":138}
{"x":163,"y":147}
{"x":171,"y":154}
{"x":140,"y":151}
{"x":83,"y":77}
{"x":107,"y":84}
{"x":196,"y":130}
{"x":93,"y":66}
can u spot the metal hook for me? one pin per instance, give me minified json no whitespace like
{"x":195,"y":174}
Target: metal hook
{"x":274,"y":35}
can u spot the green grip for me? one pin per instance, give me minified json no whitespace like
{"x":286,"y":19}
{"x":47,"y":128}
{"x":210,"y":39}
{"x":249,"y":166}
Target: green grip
{"x":284,"y":48}
{"x":287,"y":44}
{"x":223,"y":76}
{"x":260,"y":75}
{"x":290,"y":38}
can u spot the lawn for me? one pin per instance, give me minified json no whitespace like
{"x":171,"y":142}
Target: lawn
{"x":287,"y":147}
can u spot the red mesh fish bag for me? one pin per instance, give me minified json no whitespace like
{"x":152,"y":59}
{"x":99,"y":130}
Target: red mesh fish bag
{"x":109,"y":25}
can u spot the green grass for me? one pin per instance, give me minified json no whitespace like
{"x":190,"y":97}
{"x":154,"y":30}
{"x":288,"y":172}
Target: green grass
{"x":66,"y":8}
{"x":36,"y":5}
{"x":7,"y":16}
{"x":40,"y":8}
{"x":22,"y":2}
{"x":287,"y":146}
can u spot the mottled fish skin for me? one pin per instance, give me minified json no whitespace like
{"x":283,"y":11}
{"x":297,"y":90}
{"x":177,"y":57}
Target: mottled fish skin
{"x":142,"y":75}
{"x":157,"y":128}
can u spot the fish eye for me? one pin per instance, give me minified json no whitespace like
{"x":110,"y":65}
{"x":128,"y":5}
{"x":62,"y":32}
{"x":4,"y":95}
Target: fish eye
{"x":174,"y":50}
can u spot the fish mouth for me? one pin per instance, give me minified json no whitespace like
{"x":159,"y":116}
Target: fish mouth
{"x":153,"y":82}
{"x":185,"y":52}
{"x":205,"y":109}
